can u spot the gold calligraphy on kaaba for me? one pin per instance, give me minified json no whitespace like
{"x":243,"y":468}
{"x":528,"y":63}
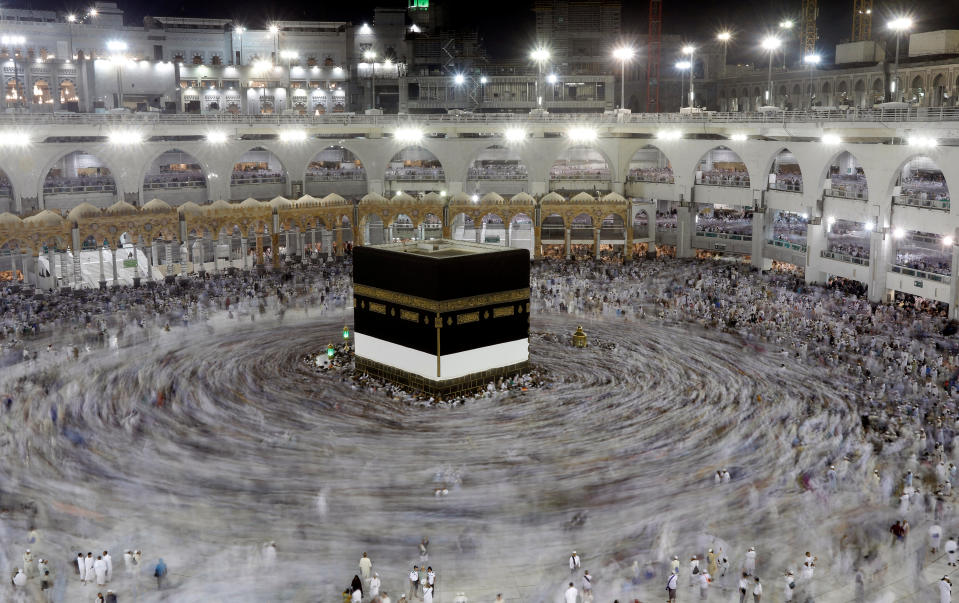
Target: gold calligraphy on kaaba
{"x":378,"y":308}
{"x":505,"y":311}
{"x":467,"y":317}
{"x":450,"y":305}
{"x":410,"y":316}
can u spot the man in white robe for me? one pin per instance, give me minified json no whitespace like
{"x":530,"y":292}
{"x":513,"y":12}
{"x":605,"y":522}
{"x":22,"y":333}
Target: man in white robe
{"x":571,"y":594}
{"x":88,"y":563}
{"x":100,"y":569}
{"x":109,"y":561}
{"x":374,"y":586}
{"x":749,"y":566}
{"x":573,"y":562}
{"x":366,"y":566}
{"x":935,"y":536}
{"x":945,"y":590}
{"x":82,"y":567}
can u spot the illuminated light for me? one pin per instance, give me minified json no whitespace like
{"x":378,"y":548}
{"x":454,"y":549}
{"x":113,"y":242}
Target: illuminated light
{"x":125,"y":138}
{"x":724,"y":36}
{"x":71,"y":18}
{"x":216,"y":137}
{"x":581,"y":134}
{"x":831,"y":139}
{"x":898,"y":233}
{"x":551,"y":78}
{"x":947,"y":241}
{"x":13,"y":39}
{"x":369,"y":55}
{"x":869,"y":226}
{"x":771,"y":43}
{"x":366,"y":29}
{"x":624,"y":53}
{"x":330,"y":351}
{"x":408,"y":134}
{"x":14,"y":139}
{"x":474,"y":198}
{"x":689,"y":49}
{"x":831,"y":220}
{"x":442,"y":193}
{"x":669,"y":135}
{"x":274,"y":29}
{"x":738,"y":137}
{"x":787,"y":24}
{"x":93,"y":12}
{"x":239,"y":30}
{"x":459,"y":79}
{"x":414,"y":28}
{"x":399,"y":192}
{"x":515,"y":134}
{"x":900,"y":24}
{"x":922,"y":141}
{"x":804,"y":216}
{"x":262,"y":65}
{"x":289,"y":54}
{"x":346,"y":332}
{"x":337,"y":71}
{"x":812,"y":59}
{"x":293,"y":136}
{"x":116,"y":45}
{"x":683,"y":65}
{"x":540,"y":55}
{"x":483,"y":79}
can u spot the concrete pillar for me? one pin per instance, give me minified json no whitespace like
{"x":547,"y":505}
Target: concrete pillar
{"x":596,"y":243}
{"x":169,"y":259}
{"x":880,"y":250}
{"x":52,"y":260}
{"x":184,"y":255}
{"x":509,"y":225}
{"x":152,"y":259}
{"x":815,"y":245}
{"x":762,"y":223}
{"x":103,"y":278}
{"x":275,"y":246}
{"x":954,"y":284}
{"x":339,"y":241}
{"x":537,"y":242}
{"x":685,"y":227}
{"x":568,"y":242}
{"x":259,"y":249}
{"x":628,"y":242}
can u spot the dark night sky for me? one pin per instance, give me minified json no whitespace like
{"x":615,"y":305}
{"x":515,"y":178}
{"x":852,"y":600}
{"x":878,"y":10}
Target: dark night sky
{"x":507,"y":25}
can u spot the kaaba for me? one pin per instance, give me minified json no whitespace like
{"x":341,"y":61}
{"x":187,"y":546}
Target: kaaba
{"x":442,"y":317}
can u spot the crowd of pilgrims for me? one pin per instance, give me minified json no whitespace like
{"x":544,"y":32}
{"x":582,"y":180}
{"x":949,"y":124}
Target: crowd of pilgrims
{"x":426,"y":172}
{"x":725,"y":177}
{"x":664,"y":175}
{"x":788,"y":181}
{"x":255,"y":175}
{"x":849,"y":185}
{"x":896,"y":365}
{"x":498,"y":171}
{"x":181,"y":178}
{"x":928,"y":185}
{"x":82,"y":180}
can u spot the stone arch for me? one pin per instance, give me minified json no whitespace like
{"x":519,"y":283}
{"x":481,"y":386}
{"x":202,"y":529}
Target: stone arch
{"x":791,"y":180}
{"x":497,"y":163}
{"x":158,"y":155}
{"x":920,"y":164}
{"x":257,"y":166}
{"x":851,"y":180}
{"x":637,"y":170}
{"x":95,"y":171}
{"x":348,"y":155}
{"x":826,"y":94}
{"x":938,"y":90}
{"x":604,"y":172}
{"x":641,"y":222}
{"x":859,"y":93}
{"x":722,"y":166}
{"x":424,"y":165}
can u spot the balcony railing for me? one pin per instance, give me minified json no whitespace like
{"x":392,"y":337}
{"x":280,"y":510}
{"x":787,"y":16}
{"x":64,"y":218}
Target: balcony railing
{"x":724,"y":235}
{"x":786,"y":187}
{"x":842,"y":257}
{"x":730,"y":182}
{"x":257,"y":179}
{"x":918,"y":201}
{"x":72,"y":190}
{"x":930,"y":276}
{"x":786,"y":245}
{"x":706,"y":117}
{"x":580,"y":175}
{"x":353,"y":175}
{"x":437,"y":176}
{"x":194,"y":183}
{"x":847,"y":193}
{"x":648,"y":178}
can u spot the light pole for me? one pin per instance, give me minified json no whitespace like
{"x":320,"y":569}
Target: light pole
{"x":811,"y":61}
{"x":623,"y":54}
{"x":770,"y":43}
{"x":540,"y":55}
{"x":239,"y":31}
{"x":897,"y":25}
{"x":786,"y":25}
{"x":370,"y":55}
{"x":724,"y":37}
{"x":682,"y":82}
{"x":689,"y":50}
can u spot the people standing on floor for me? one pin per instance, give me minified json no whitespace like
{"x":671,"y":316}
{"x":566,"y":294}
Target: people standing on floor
{"x":573,"y":562}
{"x":88,"y":562}
{"x":159,"y":572}
{"x":757,"y":591}
{"x":374,"y":585}
{"x":428,"y":594}
{"x":945,"y":590}
{"x":789,"y":586}
{"x":366,"y":567}
{"x":100,"y":569}
{"x":749,"y":565}
{"x":356,"y":585}
{"x":109,"y":561}
{"x":743,"y":587}
{"x":571,"y":594}
{"x":82,"y":568}
{"x":935,"y":536}
{"x":587,"y":586}
{"x":111,"y":597}
{"x":19,"y":579}
{"x":951,"y":547}
{"x":704,"y":579}
{"x":431,"y":579}
{"x":46,"y":587}
{"x":128,"y":561}
{"x":27,"y":563}
{"x":693,"y":569}
{"x":414,"y":579}
{"x":671,"y":584}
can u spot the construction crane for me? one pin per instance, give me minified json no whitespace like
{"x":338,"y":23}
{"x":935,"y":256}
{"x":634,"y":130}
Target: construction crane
{"x":653,"y":54}
{"x":810,"y":11}
{"x":861,"y":20}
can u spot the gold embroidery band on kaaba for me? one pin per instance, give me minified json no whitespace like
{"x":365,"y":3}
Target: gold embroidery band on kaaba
{"x":449,"y":305}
